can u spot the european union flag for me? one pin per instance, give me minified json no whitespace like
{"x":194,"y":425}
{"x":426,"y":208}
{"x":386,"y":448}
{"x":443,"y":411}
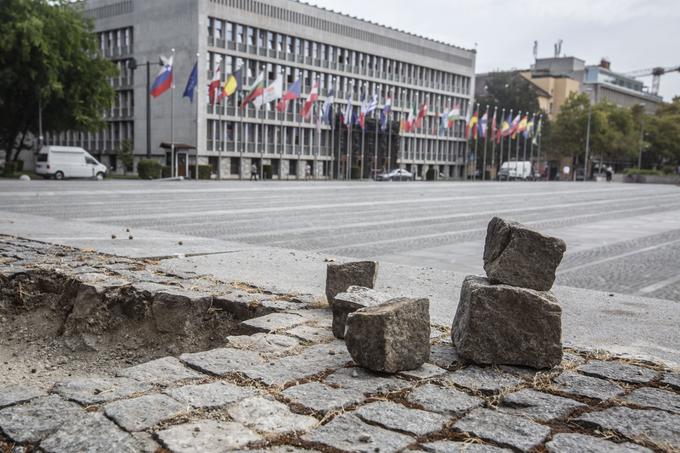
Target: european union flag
{"x":191,"y":84}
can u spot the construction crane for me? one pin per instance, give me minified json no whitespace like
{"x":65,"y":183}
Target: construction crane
{"x":656,"y":74}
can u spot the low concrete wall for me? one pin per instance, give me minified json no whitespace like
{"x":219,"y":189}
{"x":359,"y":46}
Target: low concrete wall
{"x":648,"y":179}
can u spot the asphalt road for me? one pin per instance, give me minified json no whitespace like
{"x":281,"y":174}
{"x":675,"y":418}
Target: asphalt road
{"x":621,"y":238}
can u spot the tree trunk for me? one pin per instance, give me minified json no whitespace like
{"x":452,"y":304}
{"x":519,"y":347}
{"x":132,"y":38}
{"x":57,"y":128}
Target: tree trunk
{"x":20,"y":147}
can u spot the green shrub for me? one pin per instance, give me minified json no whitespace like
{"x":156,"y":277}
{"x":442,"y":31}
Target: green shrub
{"x":642,"y":172}
{"x":149,"y":169}
{"x":166,"y":171}
{"x":204,"y":171}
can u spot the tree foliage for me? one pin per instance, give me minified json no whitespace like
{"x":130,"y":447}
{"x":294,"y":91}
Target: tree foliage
{"x":48,"y":57}
{"x":662,"y":135}
{"x":613,"y":131}
{"x":509,"y":90}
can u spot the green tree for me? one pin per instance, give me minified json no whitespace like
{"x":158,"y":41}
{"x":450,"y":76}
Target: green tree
{"x":509,"y":90}
{"x":126,"y":156}
{"x":662,"y":135}
{"x":49,"y":61}
{"x":613,"y":133}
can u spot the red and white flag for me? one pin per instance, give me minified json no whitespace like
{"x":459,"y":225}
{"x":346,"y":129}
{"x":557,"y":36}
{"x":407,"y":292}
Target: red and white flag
{"x":311,"y":99}
{"x":214,"y":87}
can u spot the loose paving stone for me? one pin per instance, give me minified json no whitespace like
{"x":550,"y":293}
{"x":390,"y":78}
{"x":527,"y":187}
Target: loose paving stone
{"x":99,"y":390}
{"x":138,"y":414}
{"x":311,"y":334}
{"x":655,"y":398}
{"x":570,"y":359}
{"x":18,"y":393}
{"x":93,"y":433}
{"x":426,"y":371}
{"x":222,"y":361}
{"x":313,"y":360}
{"x":263,"y":342}
{"x":164,"y":371}
{"x":207,"y":435}
{"x":339,"y":277}
{"x":488,"y":380}
{"x":580,"y":443}
{"x":443,"y":400}
{"x":400,"y":418}
{"x":274,"y":322}
{"x":618,"y":372}
{"x":391,"y":337}
{"x":519,"y":256}
{"x":447,"y":446}
{"x":590,"y":387}
{"x":506,"y":325}
{"x":348,"y":433}
{"x":365,"y":381}
{"x":355,"y":298}
{"x":504,"y":429}
{"x":671,"y":379}
{"x":146,"y":442}
{"x":319,"y":317}
{"x":270,"y":417}
{"x":661,"y":428}
{"x":443,"y":355}
{"x":322,"y":398}
{"x":33,"y":421}
{"x":206,"y":396}
{"x":280,"y":449}
{"x":539,"y":406}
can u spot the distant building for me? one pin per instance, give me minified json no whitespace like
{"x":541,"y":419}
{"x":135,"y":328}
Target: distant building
{"x":286,"y":37}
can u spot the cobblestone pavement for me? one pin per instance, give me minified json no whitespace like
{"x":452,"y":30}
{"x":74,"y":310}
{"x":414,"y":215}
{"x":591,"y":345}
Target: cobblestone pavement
{"x":622,"y":237}
{"x":279,"y":382}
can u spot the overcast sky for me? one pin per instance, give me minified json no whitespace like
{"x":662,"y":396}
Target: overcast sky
{"x":633,"y":34}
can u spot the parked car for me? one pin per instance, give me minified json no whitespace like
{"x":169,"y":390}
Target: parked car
{"x":398,"y":174}
{"x":61,"y":162}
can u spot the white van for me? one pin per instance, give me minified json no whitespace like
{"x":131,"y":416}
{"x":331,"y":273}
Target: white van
{"x":61,"y":162}
{"x":515,"y":170}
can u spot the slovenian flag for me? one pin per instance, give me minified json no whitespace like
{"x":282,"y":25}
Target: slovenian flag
{"x":163,"y":80}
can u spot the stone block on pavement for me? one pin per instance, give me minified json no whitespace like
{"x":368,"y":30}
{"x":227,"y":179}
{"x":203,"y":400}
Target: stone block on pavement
{"x":516,"y":432}
{"x":92,"y":433}
{"x":98,"y":390}
{"x":355,"y":298}
{"x":659,"y":427}
{"x":449,"y":446}
{"x":163,"y":371}
{"x":222,"y":361}
{"x":618,"y":371}
{"x":539,"y":406}
{"x":38,"y":418}
{"x":485,"y":380}
{"x":391,"y":337}
{"x":505,"y":325}
{"x":578,"y":443}
{"x":321,"y":398}
{"x":443,"y":400}
{"x":144,"y":412}
{"x":589,"y":387}
{"x":366,"y":382}
{"x":649,"y":397}
{"x":269,"y":417}
{"x":18,"y":393}
{"x":396,"y":417}
{"x":207,"y":435}
{"x":208,"y":396}
{"x":347,"y":433}
{"x":339,"y":277}
{"x":519,"y":256}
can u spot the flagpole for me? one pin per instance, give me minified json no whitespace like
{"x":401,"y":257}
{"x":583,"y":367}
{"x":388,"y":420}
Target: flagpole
{"x":486,"y":141}
{"x":198,"y":99}
{"x":518,"y":140}
{"x":172,"y":115}
{"x":493,"y":140}
{"x":524,"y":150}
{"x":389,"y":136}
{"x":531,"y":147}
{"x":375,"y":150}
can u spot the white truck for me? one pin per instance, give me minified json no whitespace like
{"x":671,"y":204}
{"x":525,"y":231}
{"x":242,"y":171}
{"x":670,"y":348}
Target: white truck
{"x":516,"y":170}
{"x":61,"y":162}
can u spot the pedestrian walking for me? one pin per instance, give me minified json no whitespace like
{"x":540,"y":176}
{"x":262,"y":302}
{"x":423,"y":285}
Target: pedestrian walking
{"x":253,"y":172}
{"x":610,"y":173}
{"x":308,"y":172}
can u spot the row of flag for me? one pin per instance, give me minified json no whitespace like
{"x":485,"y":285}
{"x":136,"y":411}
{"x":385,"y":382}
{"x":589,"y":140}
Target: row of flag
{"x":258,"y":93}
{"x":500,"y":127}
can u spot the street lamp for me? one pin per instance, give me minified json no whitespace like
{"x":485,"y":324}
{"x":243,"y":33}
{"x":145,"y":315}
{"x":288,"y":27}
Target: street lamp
{"x":642,"y":133}
{"x":590,"y":114}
